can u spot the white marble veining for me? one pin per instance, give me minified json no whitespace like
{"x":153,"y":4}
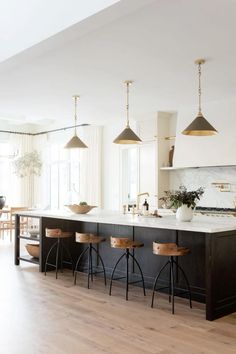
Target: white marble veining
{"x":194,"y":178}
{"x":201,"y":223}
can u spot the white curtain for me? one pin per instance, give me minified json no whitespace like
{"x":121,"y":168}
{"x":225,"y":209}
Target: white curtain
{"x":40,"y":185}
{"x":90,"y":175}
{"x":24,"y":194}
{"x":26,"y":191}
{"x":9,"y":186}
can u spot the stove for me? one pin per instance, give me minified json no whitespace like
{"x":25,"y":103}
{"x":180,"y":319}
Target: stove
{"x":218,"y":212}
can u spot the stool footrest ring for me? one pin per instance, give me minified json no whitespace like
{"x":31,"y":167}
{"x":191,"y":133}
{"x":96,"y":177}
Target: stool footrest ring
{"x":136,"y":281}
{"x":90,"y":267}
{"x":94,"y":273}
{"x":118,"y":278}
{"x":52,"y":265}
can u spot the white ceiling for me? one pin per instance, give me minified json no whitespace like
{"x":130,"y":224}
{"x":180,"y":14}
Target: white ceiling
{"x":24,"y":23}
{"x":152,"y":42}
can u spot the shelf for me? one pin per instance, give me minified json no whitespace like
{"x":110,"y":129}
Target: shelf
{"x":167,"y":168}
{"x":193,"y":167}
{"x":29,"y":259}
{"x":182,"y":168}
{"x":29,"y":238}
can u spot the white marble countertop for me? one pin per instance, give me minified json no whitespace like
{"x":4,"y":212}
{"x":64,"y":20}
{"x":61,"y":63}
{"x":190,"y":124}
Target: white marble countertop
{"x":200,"y":223}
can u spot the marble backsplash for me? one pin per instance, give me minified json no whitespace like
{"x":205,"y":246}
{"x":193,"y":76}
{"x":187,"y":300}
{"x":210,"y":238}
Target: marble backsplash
{"x":194,"y":178}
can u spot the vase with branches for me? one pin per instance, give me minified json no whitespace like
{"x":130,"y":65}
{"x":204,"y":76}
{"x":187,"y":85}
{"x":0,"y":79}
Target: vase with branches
{"x":183,"y":200}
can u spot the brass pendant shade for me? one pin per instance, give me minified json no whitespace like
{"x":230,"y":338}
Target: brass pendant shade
{"x":200,"y":126}
{"x":127,"y":136}
{"x":75,"y":142}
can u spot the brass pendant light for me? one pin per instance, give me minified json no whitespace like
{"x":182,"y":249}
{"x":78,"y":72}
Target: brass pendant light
{"x":75,"y":142}
{"x":200,"y":126}
{"x":127,"y":136}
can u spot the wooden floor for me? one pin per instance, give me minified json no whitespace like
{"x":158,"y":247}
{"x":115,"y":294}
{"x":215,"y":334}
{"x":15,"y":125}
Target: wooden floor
{"x":41,"y":315}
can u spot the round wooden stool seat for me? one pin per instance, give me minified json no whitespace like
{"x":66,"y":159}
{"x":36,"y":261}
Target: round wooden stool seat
{"x":58,"y":233}
{"x":169,"y":249}
{"x":88,"y":238}
{"x":125,"y":243}
{"x":58,"y":244}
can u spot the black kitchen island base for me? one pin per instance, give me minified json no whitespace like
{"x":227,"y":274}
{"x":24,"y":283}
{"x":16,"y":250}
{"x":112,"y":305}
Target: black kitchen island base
{"x":210,"y":267}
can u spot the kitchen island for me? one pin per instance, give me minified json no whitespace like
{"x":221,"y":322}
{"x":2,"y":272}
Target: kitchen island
{"x":210,"y":267}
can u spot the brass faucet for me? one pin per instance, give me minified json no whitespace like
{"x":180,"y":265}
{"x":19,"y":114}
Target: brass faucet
{"x":138,"y":196}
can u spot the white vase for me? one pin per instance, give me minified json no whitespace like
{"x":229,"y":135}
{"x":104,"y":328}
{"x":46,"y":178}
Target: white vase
{"x":184,"y":213}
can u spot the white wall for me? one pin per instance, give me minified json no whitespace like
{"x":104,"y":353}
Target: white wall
{"x":212,"y":151}
{"x":208,"y":151}
{"x":194,"y":178}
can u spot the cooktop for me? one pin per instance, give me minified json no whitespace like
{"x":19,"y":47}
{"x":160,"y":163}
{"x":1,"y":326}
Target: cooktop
{"x":209,"y":209}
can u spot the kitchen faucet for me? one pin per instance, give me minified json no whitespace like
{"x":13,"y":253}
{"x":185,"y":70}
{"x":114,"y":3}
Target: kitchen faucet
{"x":138,"y":196}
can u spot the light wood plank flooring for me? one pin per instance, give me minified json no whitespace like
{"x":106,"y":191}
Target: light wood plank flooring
{"x":41,"y":315}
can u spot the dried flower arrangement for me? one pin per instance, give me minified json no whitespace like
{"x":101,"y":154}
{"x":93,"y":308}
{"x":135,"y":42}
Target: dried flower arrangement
{"x":28,"y":164}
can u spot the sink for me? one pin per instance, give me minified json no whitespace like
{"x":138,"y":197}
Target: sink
{"x":149,"y":216}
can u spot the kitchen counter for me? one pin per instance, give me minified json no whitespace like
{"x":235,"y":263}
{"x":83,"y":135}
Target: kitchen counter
{"x":210,"y":266}
{"x":200,"y":223}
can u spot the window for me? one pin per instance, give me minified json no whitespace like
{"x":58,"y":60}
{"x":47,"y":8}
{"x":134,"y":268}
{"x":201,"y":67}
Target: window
{"x":8,"y":181}
{"x":63,"y":176}
{"x":139,"y":173}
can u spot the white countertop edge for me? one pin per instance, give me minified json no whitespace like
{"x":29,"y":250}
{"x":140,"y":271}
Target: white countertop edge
{"x":205,"y":224}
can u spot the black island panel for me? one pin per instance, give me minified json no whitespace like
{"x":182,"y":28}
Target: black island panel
{"x":210,"y":266}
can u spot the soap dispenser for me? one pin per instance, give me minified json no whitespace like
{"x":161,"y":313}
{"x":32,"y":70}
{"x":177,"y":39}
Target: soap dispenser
{"x":145,"y":207}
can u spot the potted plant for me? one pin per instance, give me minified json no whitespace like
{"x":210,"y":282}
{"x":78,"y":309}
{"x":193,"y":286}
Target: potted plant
{"x":184,"y":201}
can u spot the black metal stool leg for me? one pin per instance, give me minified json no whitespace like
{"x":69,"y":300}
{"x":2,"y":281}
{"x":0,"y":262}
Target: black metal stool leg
{"x":187,"y":282}
{"x":91,"y":261}
{"x":113,"y":272}
{"x":156,"y":279}
{"x":49,"y":252}
{"x":57,"y":255}
{"x":61,"y":256}
{"x":172,"y":284}
{"x":105,"y":279}
{"x":77,"y":263}
{"x":127,"y":273}
{"x":140,"y":270}
{"x":89,"y":264}
{"x":69,"y":254}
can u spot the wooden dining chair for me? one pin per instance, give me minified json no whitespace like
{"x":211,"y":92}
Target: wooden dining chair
{"x":9,"y":223}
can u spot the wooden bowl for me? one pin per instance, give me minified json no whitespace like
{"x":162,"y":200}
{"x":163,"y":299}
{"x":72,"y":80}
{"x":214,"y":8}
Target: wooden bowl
{"x":32,"y":249}
{"x":80,"y":209}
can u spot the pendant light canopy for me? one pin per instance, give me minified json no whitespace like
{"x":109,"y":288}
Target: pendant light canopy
{"x":75,"y":142}
{"x":200,"y":126}
{"x":127,"y":136}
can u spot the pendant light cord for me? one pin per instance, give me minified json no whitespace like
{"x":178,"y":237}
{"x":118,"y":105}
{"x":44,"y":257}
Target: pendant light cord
{"x":199,"y":90}
{"x":127,"y":105}
{"x":76,"y":97}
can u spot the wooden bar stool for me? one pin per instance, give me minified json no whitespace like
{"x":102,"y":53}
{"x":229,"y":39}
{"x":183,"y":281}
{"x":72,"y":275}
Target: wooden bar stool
{"x":59,"y":245}
{"x":170,"y":250}
{"x":127,"y":245}
{"x":90,"y":240}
